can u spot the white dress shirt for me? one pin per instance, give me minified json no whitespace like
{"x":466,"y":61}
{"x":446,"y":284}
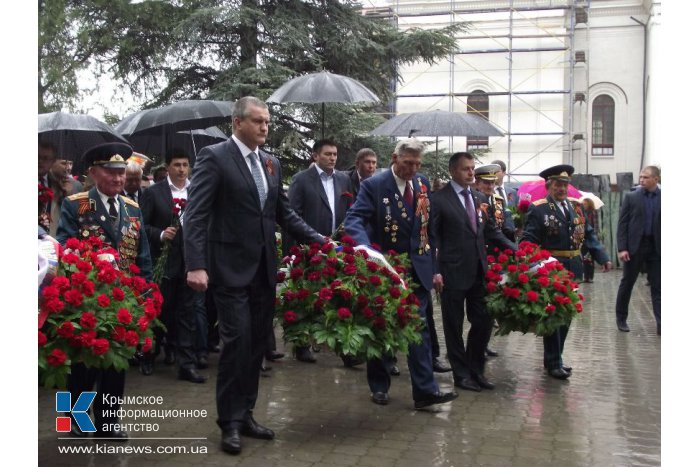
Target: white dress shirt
{"x":328,"y":186}
{"x":401,"y":183}
{"x":245,"y":150}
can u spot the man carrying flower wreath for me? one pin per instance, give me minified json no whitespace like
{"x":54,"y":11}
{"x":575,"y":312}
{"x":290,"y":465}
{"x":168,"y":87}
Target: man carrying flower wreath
{"x":104,"y":213}
{"x":393,"y":211}
{"x":559,"y":226}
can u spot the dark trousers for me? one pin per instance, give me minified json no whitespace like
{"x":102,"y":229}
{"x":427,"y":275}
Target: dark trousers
{"x":201,"y":323}
{"x":466,"y":361}
{"x":108,"y":382}
{"x":179,"y":308}
{"x":212,"y":317}
{"x":245,"y":318}
{"x":434,"y":344}
{"x":648,"y":255}
{"x":554,"y":343}
{"x":420,"y":362}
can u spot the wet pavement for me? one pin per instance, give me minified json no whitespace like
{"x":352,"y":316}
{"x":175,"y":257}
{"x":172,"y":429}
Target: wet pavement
{"x":607,"y":413}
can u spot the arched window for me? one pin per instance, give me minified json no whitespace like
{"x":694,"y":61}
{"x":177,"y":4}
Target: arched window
{"x":478,"y":103}
{"x":603,"y":126}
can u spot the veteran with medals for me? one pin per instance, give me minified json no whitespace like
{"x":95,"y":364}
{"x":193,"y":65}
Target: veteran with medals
{"x":104,"y":213}
{"x":558,"y":225}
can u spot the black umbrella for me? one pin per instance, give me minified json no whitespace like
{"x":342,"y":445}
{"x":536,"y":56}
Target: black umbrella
{"x":320,"y":88}
{"x":189,"y":140}
{"x":73,"y":134}
{"x":437,"y":123}
{"x":182,"y":115}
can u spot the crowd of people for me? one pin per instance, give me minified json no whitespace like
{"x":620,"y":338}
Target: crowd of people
{"x":221,"y":263}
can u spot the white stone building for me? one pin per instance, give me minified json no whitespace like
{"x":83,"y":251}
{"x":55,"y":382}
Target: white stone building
{"x":566,"y":81}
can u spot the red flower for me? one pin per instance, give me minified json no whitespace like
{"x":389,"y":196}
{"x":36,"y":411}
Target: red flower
{"x":350,"y":269}
{"x":303,"y":294}
{"x":135,"y":270}
{"x":139,"y":284}
{"x":512,"y":268}
{"x":119,"y":334}
{"x":103,"y":300}
{"x":496,"y":267}
{"x":490,"y":259}
{"x":84,"y":266}
{"x":543,"y":281}
{"x":123,"y":316}
{"x":78,"y":279}
{"x":362,"y":301}
{"x":66,"y":330}
{"x":523,"y":278}
{"x":61,"y":283}
{"x":348,"y":240}
{"x":150,"y":310}
{"x":523,"y":267}
{"x":375,"y":280}
{"x":147,"y":344}
{"x":290,"y":317}
{"x":325,"y":294}
{"x":70,"y":258}
{"x":42,"y":339}
{"x":88,"y":288}
{"x":53,"y":305}
{"x":349,"y":259}
{"x":107,"y":275}
{"x":331,"y":260}
{"x":315,"y":260}
{"x":73,"y":297}
{"x":523,"y":205}
{"x":532,"y":296}
{"x":344,"y":313}
{"x":394,"y":292}
{"x":345,"y":294}
{"x":379,"y":323}
{"x":281,"y":276}
{"x":143,"y":323}
{"x":502,"y":258}
{"x":368,"y":313}
{"x":88,"y":320}
{"x":294,"y":250}
{"x":131,"y":338}
{"x":579,"y":307}
{"x":314,"y":276}
{"x":73,"y":244}
{"x":329,"y":271}
{"x":395,"y":279}
{"x":296,"y":273}
{"x":379,"y":302}
{"x":372,"y":266}
{"x":50,"y":291}
{"x":100,"y":346}
{"x":86,"y":338}
{"x":118,"y":294}
{"x":491,"y":287}
{"x":550,"y":308}
{"x":56,"y":358}
{"x":336,"y":283}
{"x":326,"y":247}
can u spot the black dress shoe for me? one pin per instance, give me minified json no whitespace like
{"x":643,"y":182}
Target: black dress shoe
{"x":202,"y":362}
{"x":253,"y":429}
{"x":567,"y":368}
{"x":558,"y":373}
{"x":191,"y":375}
{"x":273,"y":355}
{"x":468,"y":384}
{"x":440,"y":366}
{"x":394,"y":371}
{"x":439,"y":398}
{"x":146,"y":364}
{"x":113,"y":435}
{"x":491,"y":353}
{"x":380,"y":398}
{"x":350,"y":361}
{"x":231,"y":441}
{"x":483,"y":382}
{"x":303,"y":354}
{"x":622,"y":326}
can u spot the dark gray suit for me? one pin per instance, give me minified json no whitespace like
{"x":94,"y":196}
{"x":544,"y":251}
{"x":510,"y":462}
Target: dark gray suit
{"x":641,"y":248}
{"x":233,"y":238}
{"x":462,"y":263}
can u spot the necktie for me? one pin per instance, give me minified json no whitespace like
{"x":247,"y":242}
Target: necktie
{"x":257,"y":177}
{"x":408,"y":195}
{"x":503,"y":195}
{"x":469,"y":206}
{"x":132,"y":196}
{"x":113,"y":215}
{"x":566,"y":210}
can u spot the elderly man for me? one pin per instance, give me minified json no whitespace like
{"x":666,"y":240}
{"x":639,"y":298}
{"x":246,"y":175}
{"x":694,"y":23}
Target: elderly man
{"x":132,"y":185}
{"x":639,"y":242}
{"x":235,"y":199}
{"x":392,"y":210}
{"x":365,"y":166}
{"x":117,"y":220}
{"x":555,"y":225}
{"x":486,"y":180}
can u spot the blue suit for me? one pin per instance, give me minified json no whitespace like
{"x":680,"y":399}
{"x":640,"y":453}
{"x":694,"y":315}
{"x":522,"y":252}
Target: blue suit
{"x":379,"y":215}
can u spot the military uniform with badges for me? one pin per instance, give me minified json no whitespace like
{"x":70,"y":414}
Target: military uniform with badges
{"x":562,"y":235}
{"x":85,"y":215}
{"x":495,"y":209}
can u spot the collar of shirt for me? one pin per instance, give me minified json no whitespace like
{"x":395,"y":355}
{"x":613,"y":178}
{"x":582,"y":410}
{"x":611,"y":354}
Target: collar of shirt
{"x":459,"y":189}
{"x":322,"y":173}
{"x":180,"y":192}
{"x":104,"y":198}
{"x":245,"y":150}
{"x":400,"y":182}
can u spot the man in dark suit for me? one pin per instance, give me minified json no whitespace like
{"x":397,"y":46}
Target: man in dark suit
{"x":365,"y":166}
{"x":103,"y":212}
{"x":508,"y":195}
{"x":558,"y":226}
{"x":158,"y":205}
{"x":639,"y":242}
{"x":132,"y":185}
{"x":393,"y":210}
{"x":321,"y":196}
{"x":235,"y":199}
{"x":462,"y":223}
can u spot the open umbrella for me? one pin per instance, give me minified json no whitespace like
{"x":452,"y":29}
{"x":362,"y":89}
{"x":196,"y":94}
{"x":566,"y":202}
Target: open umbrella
{"x":182,"y":115}
{"x":73,"y":134}
{"x":535,"y":189}
{"x":189,"y":140}
{"x":320,"y":88}
{"x":597,"y":202}
{"x":436,"y":123}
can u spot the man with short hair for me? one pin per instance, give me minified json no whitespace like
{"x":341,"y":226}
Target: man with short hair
{"x":639,"y":243}
{"x":49,"y":210}
{"x":365,"y":166}
{"x":117,"y":221}
{"x":509,"y":195}
{"x":463,"y":225}
{"x":321,"y":196}
{"x":392,"y":210}
{"x":159,"y":206}
{"x":557,"y":226}
{"x":159,"y":173}
{"x":132,"y":185}
{"x":234,"y":201}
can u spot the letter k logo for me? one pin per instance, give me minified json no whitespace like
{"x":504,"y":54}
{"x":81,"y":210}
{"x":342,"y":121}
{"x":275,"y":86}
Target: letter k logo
{"x":78,"y":411}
